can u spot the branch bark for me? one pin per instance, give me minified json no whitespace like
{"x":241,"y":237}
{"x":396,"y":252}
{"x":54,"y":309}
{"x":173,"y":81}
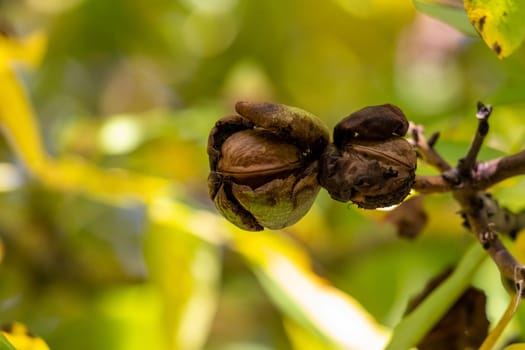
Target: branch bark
{"x":468,"y":182}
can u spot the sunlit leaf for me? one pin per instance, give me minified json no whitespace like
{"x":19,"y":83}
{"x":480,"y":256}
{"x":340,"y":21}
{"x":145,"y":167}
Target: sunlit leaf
{"x":520,"y":346}
{"x":113,"y":185}
{"x":16,"y":115}
{"x":285,"y":273}
{"x":417,"y":323}
{"x":451,"y":12}
{"x":18,"y":122}
{"x":303,"y":338}
{"x":185,"y":269}
{"x":21,"y":128}
{"x":28,"y":51}
{"x":21,"y":338}
{"x":499,"y":22}
{"x":4,"y":343}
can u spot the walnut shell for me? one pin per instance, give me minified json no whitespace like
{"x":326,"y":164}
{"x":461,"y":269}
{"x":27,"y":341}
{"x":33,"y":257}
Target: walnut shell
{"x":371,"y":168}
{"x":264,"y":164}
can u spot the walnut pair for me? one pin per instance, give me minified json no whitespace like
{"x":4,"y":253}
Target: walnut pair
{"x":268,"y":162}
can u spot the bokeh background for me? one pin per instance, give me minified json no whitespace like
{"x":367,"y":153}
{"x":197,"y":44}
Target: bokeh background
{"x":134,"y":86}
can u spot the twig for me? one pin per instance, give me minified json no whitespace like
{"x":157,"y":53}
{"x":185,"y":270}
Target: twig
{"x":431,"y":184}
{"x":497,"y":170}
{"x":502,"y":219}
{"x":477,"y":215}
{"x":486,"y":175}
{"x":426,"y":148}
{"x":466,"y":166}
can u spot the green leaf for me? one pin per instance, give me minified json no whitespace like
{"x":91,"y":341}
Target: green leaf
{"x":333,"y":319}
{"x":416,"y":324}
{"x":450,"y":12}
{"x":5,"y":344}
{"x":185,"y":270}
{"x":499,"y":22}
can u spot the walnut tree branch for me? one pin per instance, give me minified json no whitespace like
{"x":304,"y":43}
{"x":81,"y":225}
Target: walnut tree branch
{"x":502,"y":219}
{"x":425,"y":148}
{"x":467,"y":182}
{"x":478,"y":215}
{"x":467,"y":165}
{"x":491,"y":172}
{"x":485,"y":175}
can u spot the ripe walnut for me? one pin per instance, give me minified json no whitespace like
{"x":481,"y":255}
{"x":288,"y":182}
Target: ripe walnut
{"x":369,"y":163}
{"x":264,"y":164}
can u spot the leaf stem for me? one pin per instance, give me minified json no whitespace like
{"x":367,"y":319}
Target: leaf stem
{"x":495,"y":334}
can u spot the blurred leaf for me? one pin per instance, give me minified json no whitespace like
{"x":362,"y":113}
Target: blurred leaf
{"x":21,"y":338}
{"x":499,"y":22}
{"x":15,"y":112}
{"x":186,"y":271}
{"x":284,"y":271}
{"x":18,"y":121}
{"x":465,"y":324}
{"x":4,"y":343}
{"x":22,"y":130}
{"x":416,"y":324}
{"x":135,"y":313}
{"x":114,"y":185}
{"x":303,"y":338}
{"x":28,"y":50}
{"x":451,"y":12}
{"x":520,"y":346}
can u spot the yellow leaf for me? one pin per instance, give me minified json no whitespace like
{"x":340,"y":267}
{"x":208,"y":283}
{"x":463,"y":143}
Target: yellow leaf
{"x":28,"y":51}
{"x":18,"y":122}
{"x":117,"y":186}
{"x":304,"y":339}
{"x":499,"y":22}
{"x":185,"y":270}
{"x":21,"y":338}
{"x":285,"y":272}
{"x":520,"y":346}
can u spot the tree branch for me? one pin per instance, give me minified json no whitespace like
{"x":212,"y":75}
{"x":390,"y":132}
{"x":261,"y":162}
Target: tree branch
{"x":486,"y":175}
{"x":425,"y":148}
{"x":467,"y":182}
{"x":491,"y":172}
{"x":466,"y":166}
{"x":478,"y":214}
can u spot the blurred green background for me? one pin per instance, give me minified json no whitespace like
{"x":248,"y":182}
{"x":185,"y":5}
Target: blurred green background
{"x":137,"y":85}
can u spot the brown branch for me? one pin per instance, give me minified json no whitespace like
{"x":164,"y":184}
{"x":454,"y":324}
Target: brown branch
{"x":502,"y":219}
{"x":425,"y":148}
{"x":478,"y":215}
{"x":487,"y":174}
{"x":491,"y":172}
{"x":431,"y":184}
{"x":467,"y":182}
{"x":466,"y":166}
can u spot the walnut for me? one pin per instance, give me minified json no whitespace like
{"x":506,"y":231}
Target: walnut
{"x":369,"y":163}
{"x":264,"y":164}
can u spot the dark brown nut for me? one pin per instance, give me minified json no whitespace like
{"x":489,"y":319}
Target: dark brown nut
{"x":264,"y":164}
{"x":371,"y":168}
{"x":371,"y":123}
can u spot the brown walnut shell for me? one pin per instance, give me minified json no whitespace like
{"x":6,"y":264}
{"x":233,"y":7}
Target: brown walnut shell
{"x":373,"y":168}
{"x":264,"y":164}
